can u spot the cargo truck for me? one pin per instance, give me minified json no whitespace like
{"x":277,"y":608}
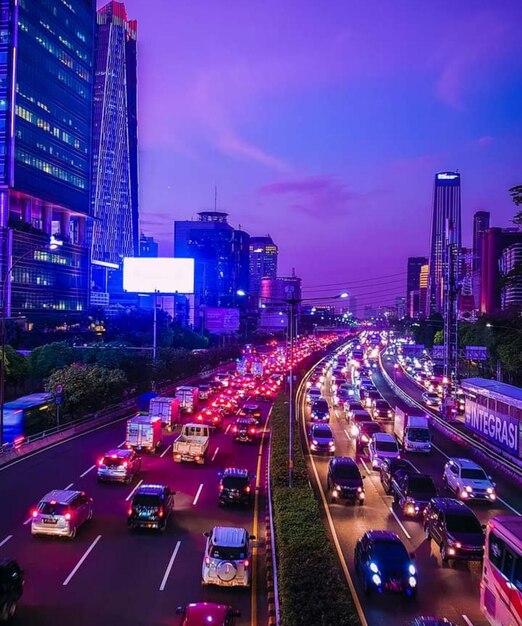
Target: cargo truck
{"x":412,"y":431}
{"x":168,"y":409}
{"x":144,"y":433}
{"x":191,"y":444}
{"x":188,"y":398}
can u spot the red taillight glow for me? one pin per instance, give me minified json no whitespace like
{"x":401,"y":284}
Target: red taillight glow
{"x":67,"y":516}
{"x":247,"y":562}
{"x":247,"y":488}
{"x":125,"y":464}
{"x":207,"y":560}
{"x":160,"y":512}
{"x":34,"y":513}
{"x":221,"y":487}
{"x":100,"y":461}
{"x":234,"y":429}
{"x":252,"y":431}
{"x":130,"y":511}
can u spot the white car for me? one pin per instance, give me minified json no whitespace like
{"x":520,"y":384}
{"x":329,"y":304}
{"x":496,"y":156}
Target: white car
{"x":227,"y":561}
{"x":431,"y":398}
{"x":313,"y":394}
{"x":468,"y":480}
{"x":382,"y":446}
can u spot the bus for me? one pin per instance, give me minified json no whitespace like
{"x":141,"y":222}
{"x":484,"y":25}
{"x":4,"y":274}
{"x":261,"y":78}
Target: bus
{"x":501,"y":584}
{"x":26,"y":415}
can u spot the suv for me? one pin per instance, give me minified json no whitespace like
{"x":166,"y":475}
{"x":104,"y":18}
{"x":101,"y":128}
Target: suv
{"x":381,"y":409}
{"x":412,"y":492}
{"x":211,"y":416}
{"x":320,"y":411}
{"x":227,"y":557}
{"x":468,"y":480}
{"x":344,"y":480}
{"x":151,"y":507}
{"x":382,"y":446}
{"x":388,"y":469}
{"x":11,"y":588}
{"x":61,"y":513}
{"x":119,"y":465}
{"x":235,"y":487}
{"x":321,"y":439}
{"x":245,"y":429}
{"x":383,"y":563}
{"x":455,"y":528}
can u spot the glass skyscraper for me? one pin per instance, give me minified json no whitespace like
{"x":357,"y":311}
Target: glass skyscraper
{"x":263,"y":261}
{"x":46,"y":79}
{"x":115,"y":231}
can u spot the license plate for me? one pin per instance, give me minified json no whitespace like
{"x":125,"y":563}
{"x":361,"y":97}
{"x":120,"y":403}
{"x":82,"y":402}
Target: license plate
{"x":47,"y":520}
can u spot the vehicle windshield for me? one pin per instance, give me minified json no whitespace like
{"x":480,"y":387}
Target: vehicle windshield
{"x":234,"y":482}
{"x":389,"y":553}
{"x":48,"y":508}
{"x":347,"y":470}
{"x":322,"y":432}
{"x":418,"y":434}
{"x":227,"y":554}
{"x":382,"y":404}
{"x":473,"y":474}
{"x":463,"y":524}
{"x":321,"y":405}
{"x":386,"y":446}
{"x":370,"y":428}
{"x":142,"y":499}
{"x":422,"y":484}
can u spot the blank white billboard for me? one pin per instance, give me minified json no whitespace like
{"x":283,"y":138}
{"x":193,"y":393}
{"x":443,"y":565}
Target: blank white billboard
{"x":160,"y":275}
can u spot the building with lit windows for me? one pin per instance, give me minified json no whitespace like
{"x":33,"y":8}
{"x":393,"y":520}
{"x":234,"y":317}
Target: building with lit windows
{"x":263,"y":255}
{"x":148,"y":247}
{"x":46,"y":83}
{"x":415,"y":265}
{"x":481,"y":221}
{"x":510,"y":266}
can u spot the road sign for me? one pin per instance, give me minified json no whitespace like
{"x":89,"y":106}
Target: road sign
{"x":58,"y":400}
{"x":437,"y":352}
{"x":476,"y":353}
{"x":58,"y":389}
{"x":413,"y":349}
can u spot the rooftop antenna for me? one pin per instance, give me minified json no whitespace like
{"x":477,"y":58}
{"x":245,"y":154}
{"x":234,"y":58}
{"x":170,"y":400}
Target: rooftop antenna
{"x":215,"y":197}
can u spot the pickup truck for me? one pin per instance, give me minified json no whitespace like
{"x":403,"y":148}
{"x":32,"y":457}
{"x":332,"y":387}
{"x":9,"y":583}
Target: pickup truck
{"x":412,"y":491}
{"x":192,"y":444}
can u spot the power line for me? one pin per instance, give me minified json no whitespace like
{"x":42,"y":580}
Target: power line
{"x":365,"y":280}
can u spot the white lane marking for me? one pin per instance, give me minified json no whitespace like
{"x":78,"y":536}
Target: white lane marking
{"x":400,"y":523}
{"x":169,"y":567}
{"x":80,"y":562}
{"x":467,"y":620}
{"x":69,"y":486}
{"x":121,"y":444}
{"x":366,"y":467}
{"x":133,"y":491}
{"x":227,"y":429}
{"x":4,"y":541}
{"x":27,"y":521}
{"x":215,"y":454}
{"x":165,"y":451}
{"x":347,"y":433}
{"x":197,"y":495}
{"x":87,"y":471}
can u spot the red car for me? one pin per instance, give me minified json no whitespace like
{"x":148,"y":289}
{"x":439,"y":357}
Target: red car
{"x":227,"y":404}
{"x":211,"y":416}
{"x":205,"y":613}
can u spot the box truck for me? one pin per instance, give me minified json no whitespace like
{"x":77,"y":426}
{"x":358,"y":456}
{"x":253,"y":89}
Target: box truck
{"x":168,"y":409}
{"x":144,"y":433}
{"x":412,"y":431}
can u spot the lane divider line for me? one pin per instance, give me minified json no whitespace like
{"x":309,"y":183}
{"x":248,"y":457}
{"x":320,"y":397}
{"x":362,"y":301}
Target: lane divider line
{"x":467,"y":620}
{"x":80,"y":562}
{"x":4,"y":541}
{"x":227,"y":429}
{"x":215,"y":453}
{"x":27,"y":521}
{"x":400,"y":523}
{"x":120,"y":445}
{"x":347,"y":434}
{"x":133,"y":491}
{"x":87,"y":471}
{"x":169,"y":567}
{"x":68,"y":486}
{"x":197,"y":495}
{"x":165,"y":451}
{"x":368,"y":471}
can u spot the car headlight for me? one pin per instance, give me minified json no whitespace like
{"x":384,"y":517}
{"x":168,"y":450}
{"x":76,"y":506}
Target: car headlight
{"x":412,"y":581}
{"x":315,"y":442}
{"x":331,"y":444}
{"x":376,"y":579}
{"x":374,"y":568}
{"x":411,"y":569}
{"x":390,"y":414}
{"x":468,"y":488}
{"x":490,"y":490}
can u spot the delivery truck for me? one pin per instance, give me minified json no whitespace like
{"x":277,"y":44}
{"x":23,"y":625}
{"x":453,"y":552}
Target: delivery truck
{"x":188,"y":398}
{"x":192,"y":444}
{"x":168,"y":409}
{"x":144,"y":433}
{"x":412,"y":431}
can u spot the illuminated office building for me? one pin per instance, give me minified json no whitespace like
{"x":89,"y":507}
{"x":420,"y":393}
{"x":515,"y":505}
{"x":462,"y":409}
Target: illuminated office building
{"x":262,"y":261}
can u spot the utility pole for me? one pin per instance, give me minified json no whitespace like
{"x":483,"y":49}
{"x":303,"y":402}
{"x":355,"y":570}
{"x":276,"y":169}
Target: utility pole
{"x":291,"y":303}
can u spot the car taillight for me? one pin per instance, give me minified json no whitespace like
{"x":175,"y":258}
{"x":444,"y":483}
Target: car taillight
{"x":130,"y":511}
{"x":67,"y":516}
{"x":234,"y":429}
{"x":160,"y":512}
{"x":252,"y":431}
{"x":247,"y":489}
{"x":125,"y":464}
{"x":199,"y":418}
{"x":207,"y":560}
{"x":34,"y":513}
{"x":246,"y":562}
{"x":221,"y":487}
{"x":215,"y":419}
{"x":100,"y":461}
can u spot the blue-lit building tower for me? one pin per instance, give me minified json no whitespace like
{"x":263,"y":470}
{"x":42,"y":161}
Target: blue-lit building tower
{"x":46,"y":87}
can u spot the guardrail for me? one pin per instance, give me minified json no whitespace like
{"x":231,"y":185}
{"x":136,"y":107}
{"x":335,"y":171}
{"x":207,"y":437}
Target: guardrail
{"x":490,"y":452}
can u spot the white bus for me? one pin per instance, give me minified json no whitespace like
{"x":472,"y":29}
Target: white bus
{"x":501,"y":584}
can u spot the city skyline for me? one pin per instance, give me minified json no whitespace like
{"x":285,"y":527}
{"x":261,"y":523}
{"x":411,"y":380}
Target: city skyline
{"x":318,"y":98}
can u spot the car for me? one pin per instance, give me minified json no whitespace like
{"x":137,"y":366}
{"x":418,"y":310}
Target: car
{"x":199,"y":613}
{"x":388,"y":469}
{"x":211,"y":416}
{"x":226,"y":403}
{"x":151,"y":507}
{"x":454,"y":527}
{"x":235,"y":487}
{"x":245,"y":430}
{"x":357,"y":418}
{"x":381,"y":410}
{"x":11,"y":588}
{"x":370,"y":397}
{"x":227,"y":559}
{"x":118,"y":466}
{"x":468,"y":480}
{"x":382,"y":446}
{"x":204,"y":391}
{"x":321,"y":439}
{"x":431,"y":398}
{"x":265,"y":392}
{"x":320,"y":411}
{"x":351,"y":407}
{"x":313,"y":394}
{"x":384,"y":565}
{"x":344,"y":480}
{"x":251,"y":410}
{"x":412,"y":492}
{"x":366,"y":430}
{"x":61,"y":512}
{"x":222,"y":378}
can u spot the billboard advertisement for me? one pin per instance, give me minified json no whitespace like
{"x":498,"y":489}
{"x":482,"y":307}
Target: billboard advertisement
{"x":221,"y":321}
{"x":272,"y":320}
{"x":158,"y":275}
{"x":495,"y":426}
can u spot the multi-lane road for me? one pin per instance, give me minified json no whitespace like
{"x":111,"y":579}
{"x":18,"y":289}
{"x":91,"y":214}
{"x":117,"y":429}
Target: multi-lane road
{"x":107,"y":575}
{"x":451,"y":592}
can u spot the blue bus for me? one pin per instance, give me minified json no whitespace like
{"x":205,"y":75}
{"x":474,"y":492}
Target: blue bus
{"x":24,"y":416}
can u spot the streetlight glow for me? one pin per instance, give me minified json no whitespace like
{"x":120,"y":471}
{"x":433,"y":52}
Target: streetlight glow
{"x":241,"y":292}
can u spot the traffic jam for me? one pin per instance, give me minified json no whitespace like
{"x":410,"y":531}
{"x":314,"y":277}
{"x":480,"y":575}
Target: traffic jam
{"x":409,"y":517}
{"x":140,"y":485}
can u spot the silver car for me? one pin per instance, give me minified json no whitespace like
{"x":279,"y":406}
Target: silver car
{"x":61,"y":513}
{"x":119,"y":466}
{"x":227,"y":560}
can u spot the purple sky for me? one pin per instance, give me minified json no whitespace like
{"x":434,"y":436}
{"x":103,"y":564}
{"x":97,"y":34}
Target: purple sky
{"x":323,"y":122}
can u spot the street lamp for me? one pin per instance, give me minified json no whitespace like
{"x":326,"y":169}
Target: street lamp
{"x":53,"y":244}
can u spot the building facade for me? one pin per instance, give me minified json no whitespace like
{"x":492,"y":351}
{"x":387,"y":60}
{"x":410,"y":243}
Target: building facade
{"x":148,"y":247}
{"x":511,"y":272}
{"x":415,"y":264}
{"x":445,"y":233}
{"x":263,"y":254}
{"x":46,"y":87}
{"x":115,"y":225}
{"x":481,"y":221}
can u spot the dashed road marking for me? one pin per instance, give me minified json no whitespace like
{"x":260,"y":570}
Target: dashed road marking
{"x":169,"y":566}
{"x":4,"y":541}
{"x":165,"y":451}
{"x":198,"y":493}
{"x":215,"y":454}
{"x":133,"y":491}
{"x":400,"y":523}
{"x":80,"y":562}
{"x":69,"y":486}
{"x":87,"y":471}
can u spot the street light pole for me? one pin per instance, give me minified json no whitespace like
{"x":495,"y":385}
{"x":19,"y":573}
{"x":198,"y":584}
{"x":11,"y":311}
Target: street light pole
{"x":291,"y":399}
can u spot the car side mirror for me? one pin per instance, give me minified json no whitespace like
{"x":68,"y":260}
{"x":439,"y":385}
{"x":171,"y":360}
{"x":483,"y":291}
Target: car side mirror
{"x":490,"y":477}
{"x":206,"y":534}
{"x":252,"y":537}
{"x":180,"y":609}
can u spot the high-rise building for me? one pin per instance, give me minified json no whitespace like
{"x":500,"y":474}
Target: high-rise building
{"x":115,"y":230}
{"x":46,"y":90}
{"x":148,"y":247}
{"x":400,"y":305}
{"x":510,"y":264}
{"x":263,"y":261}
{"x":480,"y":225}
{"x":445,"y":232}
{"x":352,"y":305}
{"x":415,"y":263}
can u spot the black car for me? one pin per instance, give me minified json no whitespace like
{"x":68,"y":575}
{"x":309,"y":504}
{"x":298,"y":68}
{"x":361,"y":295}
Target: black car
{"x":388,"y":469}
{"x":320,"y":411}
{"x":412,"y":491}
{"x":151,"y":507}
{"x":344,"y":480}
{"x":235,"y":487}
{"x":381,"y":410}
{"x":384,"y":565}
{"x":364,"y":436}
{"x":455,"y":529}
{"x":11,"y":588}
{"x":245,"y":430}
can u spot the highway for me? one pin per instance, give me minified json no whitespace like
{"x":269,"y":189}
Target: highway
{"x":107,"y":575}
{"x":451,"y":592}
